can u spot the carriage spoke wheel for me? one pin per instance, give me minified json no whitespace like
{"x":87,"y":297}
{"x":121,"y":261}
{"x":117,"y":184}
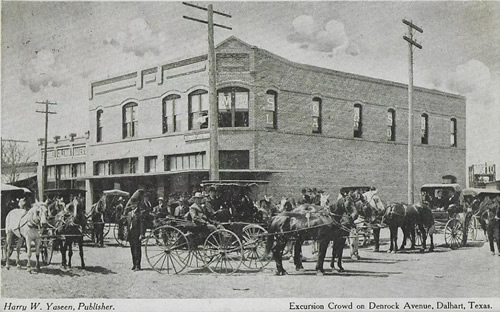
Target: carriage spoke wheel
{"x":223,"y":252}
{"x":167,"y":250}
{"x":254,"y":247}
{"x":46,"y":251}
{"x":121,"y":238}
{"x":453,"y":234}
{"x":472,"y":228}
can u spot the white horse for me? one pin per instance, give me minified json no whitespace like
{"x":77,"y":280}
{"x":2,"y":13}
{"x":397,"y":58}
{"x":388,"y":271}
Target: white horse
{"x":26,"y":226}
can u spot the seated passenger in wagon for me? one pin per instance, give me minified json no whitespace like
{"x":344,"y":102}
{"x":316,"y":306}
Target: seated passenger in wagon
{"x":197,"y":215}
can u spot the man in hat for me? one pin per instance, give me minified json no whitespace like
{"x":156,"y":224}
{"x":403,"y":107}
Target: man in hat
{"x":212,"y":202}
{"x":160,"y":210}
{"x":196,"y":212}
{"x":305,"y":198}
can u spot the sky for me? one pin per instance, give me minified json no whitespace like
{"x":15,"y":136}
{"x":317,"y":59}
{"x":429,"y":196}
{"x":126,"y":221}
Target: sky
{"x":53,"y":50}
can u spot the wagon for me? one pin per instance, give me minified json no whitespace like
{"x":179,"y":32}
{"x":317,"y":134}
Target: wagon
{"x":471,"y":199}
{"x":176,"y":244}
{"x":449,"y":215}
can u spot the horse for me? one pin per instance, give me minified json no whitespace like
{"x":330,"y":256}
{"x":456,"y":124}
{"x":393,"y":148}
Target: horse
{"x":97,"y":216}
{"x":395,"y":217}
{"x":69,"y":224}
{"x":304,"y":223}
{"x":424,"y":219}
{"x":26,"y":226}
{"x":340,"y":233}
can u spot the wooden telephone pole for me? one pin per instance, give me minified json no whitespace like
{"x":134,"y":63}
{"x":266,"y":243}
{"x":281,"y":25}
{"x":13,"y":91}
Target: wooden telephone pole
{"x":212,"y":83}
{"x":411,"y":28}
{"x":44,"y":169}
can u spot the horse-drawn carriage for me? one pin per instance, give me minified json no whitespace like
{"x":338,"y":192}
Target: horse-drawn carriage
{"x":472,"y":200}
{"x":237,"y":235}
{"x":449,"y":215}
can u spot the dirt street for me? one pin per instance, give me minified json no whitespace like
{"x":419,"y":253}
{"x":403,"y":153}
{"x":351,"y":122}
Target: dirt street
{"x":467,"y":272}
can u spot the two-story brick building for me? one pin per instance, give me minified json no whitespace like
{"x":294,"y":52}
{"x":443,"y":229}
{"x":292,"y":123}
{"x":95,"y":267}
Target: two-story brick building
{"x":291,"y":124}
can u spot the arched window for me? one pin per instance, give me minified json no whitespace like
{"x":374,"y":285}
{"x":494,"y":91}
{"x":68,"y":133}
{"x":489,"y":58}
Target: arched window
{"x":424,"y":128}
{"x":198,"y":110}
{"x":391,"y":125}
{"x":271,"y":109}
{"x":130,"y":122}
{"x":316,"y":115}
{"x":358,"y":120}
{"x":233,"y":107}
{"x":172,"y":111}
{"x":453,"y":132}
{"x":99,"y":125}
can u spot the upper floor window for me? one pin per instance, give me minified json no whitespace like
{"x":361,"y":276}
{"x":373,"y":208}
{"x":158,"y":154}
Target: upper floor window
{"x":233,"y":107}
{"x":453,"y":132}
{"x":424,"y":129}
{"x":391,"y":125}
{"x":130,"y":120}
{"x":316,"y":115}
{"x":198,"y":110}
{"x":99,"y":125}
{"x":172,"y":111}
{"x":358,"y":120}
{"x":150,"y":164}
{"x":271,"y":109}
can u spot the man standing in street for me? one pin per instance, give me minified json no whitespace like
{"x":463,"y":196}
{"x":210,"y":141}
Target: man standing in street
{"x":493,"y":224}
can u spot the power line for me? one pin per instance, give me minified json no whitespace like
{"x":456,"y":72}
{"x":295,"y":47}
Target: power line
{"x":44,"y":171}
{"x":411,"y":42}
{"x":212,"y":82}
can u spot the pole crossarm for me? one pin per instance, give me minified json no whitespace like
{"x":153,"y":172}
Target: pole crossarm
{"x":205,"y":9}
{"x":205,"y":22}
{"x":412,"y":42}
{"x":47,"y":103}
{"x":420,"y":30}
{"x":45,"y":112}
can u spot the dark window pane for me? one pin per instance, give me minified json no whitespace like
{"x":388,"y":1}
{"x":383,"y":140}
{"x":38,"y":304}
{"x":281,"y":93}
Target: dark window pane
{"x":234,"y":159}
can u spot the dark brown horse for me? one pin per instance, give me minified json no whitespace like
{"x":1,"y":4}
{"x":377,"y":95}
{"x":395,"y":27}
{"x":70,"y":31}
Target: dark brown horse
{"x":420,"y":215}
{"x":306,"y":222}
{"x":69,"y":224}
{"x":395,"y":218}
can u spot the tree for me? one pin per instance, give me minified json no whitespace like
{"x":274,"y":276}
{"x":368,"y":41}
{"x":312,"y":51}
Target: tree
{"x":14,"y":156}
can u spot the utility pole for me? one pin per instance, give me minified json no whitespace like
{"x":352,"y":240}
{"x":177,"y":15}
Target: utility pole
{"x":411,"y":43}
{"x":44,"y":169}
{"x":212,"y":83}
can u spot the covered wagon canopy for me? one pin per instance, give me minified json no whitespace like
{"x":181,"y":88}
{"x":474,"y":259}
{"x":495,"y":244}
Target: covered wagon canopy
{"x":11,"y":188}
{"x":476,"y":191}
{"x":454,"y":186}
{"x":116,"y":193}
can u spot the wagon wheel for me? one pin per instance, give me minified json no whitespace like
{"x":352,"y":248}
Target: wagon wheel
{"x":472,"y":228}
{"x":46,"y":250}
{"x":223,"y":252}
{"x":121,"y":238}
{"x":254,"y":247}
{"x":167,"y":250}
{"x":453,"y":233}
